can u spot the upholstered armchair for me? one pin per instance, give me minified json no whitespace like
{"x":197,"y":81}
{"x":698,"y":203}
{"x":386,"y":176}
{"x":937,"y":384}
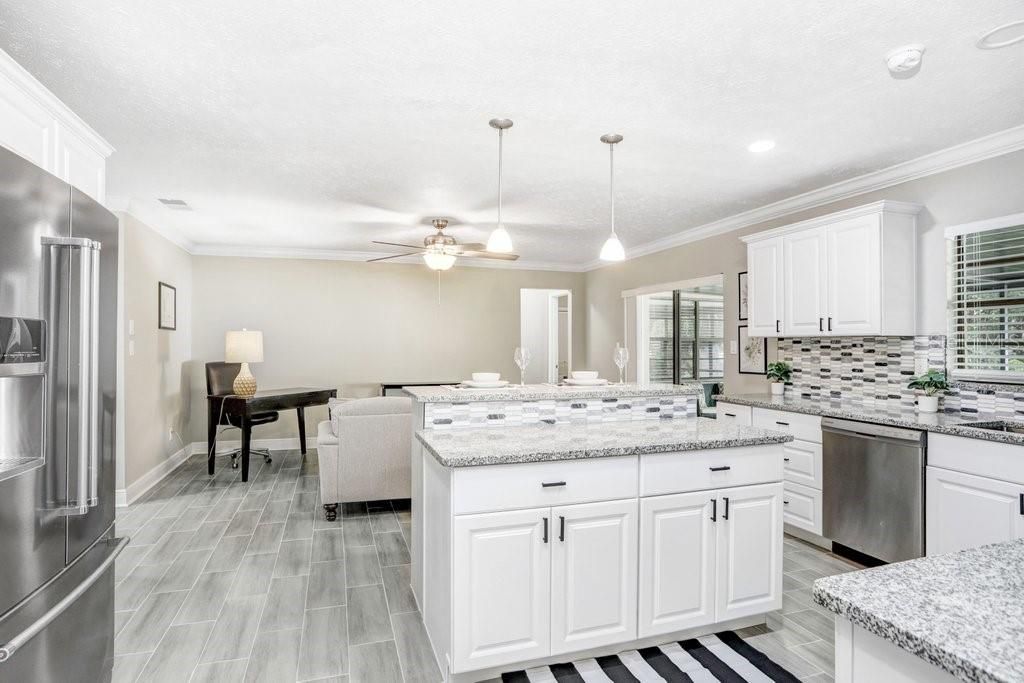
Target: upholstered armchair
{"x":365,"y":450}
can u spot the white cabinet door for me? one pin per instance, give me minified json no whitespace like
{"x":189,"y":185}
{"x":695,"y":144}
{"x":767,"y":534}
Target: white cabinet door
{"x":765,"y":287}
{"x":802,"y":463}
{"x":805,"y":282}
{"x":26,"y":128}
{"x":966,"y":511}
{"x":854,"y":276}
{"x":749,"y":551}
{"x":801,"y":507}
{"x":501,"y":585}
{"x":593,"y":575}
{"x":677,"y":562}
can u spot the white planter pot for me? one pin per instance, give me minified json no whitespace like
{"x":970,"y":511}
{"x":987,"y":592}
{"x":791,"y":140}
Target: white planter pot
{"x":928,"y":404}
{"x":778,"y":388}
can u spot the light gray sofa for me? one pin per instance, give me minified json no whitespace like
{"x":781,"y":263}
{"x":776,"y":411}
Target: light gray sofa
{"x":365,"y":450}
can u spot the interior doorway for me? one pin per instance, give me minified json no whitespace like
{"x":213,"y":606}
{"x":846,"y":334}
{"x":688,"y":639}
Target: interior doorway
{"x":545,"y":328}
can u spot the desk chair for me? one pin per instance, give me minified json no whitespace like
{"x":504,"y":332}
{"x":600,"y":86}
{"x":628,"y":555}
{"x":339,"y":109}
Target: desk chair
{"x":220,"y":377}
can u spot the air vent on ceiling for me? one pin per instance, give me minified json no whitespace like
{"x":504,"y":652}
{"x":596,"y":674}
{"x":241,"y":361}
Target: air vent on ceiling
{"x":176,"y":204}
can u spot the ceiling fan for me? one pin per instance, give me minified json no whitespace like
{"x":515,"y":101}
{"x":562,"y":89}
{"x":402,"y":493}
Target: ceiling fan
{"x":440,"y":250}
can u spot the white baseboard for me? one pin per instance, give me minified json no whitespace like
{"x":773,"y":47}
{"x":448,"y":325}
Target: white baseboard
{"x":135,"y":490}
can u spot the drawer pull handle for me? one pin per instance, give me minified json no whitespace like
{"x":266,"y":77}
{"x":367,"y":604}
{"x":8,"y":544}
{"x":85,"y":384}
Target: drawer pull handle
{"x":1022,"y":503}
{"x":725,"y":515}
{"x":723,"y":468}
{"x":821,"y":324}
{"x":730,"y":414}
{"x":784,"y":424}
{"x":714,"y":509}
{"x":552,"y":484}
{"x":785,"y":460}
{"x":545,"y":529}
{"x":785,"y":502}
{"x":561,"y":528}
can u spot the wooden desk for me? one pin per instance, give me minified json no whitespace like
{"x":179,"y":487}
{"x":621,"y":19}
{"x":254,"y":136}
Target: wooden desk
{"x":396,"y":387}
{"x":265,"y":401}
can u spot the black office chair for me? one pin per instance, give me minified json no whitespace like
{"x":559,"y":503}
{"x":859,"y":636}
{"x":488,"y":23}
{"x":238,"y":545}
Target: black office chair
{"x":220,"y":378}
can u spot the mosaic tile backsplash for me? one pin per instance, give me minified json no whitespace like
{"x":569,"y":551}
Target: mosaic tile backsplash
{"x":876,"y":370}
{"x":504,"y":413}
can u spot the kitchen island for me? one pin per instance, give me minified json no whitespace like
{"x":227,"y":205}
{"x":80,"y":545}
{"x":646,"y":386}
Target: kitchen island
{"x":950,"y":617}
{"x":547,"y":542}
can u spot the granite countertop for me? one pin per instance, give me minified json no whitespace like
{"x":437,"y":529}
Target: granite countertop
{"x":962,"y":612}
{"x":545,"y":442}
{"x":542,"y":392}
{"x":953,"y":423}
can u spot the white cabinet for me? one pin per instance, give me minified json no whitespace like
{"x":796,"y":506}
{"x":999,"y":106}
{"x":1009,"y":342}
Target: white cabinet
{"x":39,"y":127}
{"x":732,"y":413}
{"x":847,"y":273}
{"x":677,"y":562}
{"x":593,"y":575}
{"x":801,"y":507}
{"x":805,"y":288}
{"x":764,"y":288}
{"x":749,"y":554}
{"x":967,"y":511}
{"x":501,"y":573}
{"x":709,"y":557}
{"x":854,"y":276}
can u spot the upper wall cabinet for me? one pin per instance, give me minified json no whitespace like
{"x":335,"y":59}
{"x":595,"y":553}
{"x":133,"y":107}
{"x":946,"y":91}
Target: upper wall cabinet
{"x":847,"y":273}
{"x":38,"y":126}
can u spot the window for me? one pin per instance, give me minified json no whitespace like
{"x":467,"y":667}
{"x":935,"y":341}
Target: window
{"x":682,"y":335}
{"x":986,"y":336}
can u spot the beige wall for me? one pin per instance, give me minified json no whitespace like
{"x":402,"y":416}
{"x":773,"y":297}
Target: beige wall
{"x":156,"y":383}
{"x":353,"y":325}
{"x":984,"y":190}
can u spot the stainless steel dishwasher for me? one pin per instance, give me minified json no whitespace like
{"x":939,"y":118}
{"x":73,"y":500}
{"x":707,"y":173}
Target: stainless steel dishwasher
{"x":873,"y":492}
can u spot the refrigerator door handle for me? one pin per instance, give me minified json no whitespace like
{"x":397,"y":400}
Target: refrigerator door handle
{"x":14,"y":644}
{"x":93,"y":398}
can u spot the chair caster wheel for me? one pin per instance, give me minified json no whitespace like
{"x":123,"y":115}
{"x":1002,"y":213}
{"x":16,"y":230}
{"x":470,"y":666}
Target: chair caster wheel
{"x":331,"y":512}
{"x":234,"y":464}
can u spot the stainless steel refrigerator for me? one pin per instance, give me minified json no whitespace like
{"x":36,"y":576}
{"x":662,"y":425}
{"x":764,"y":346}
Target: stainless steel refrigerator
{"x":58,"y":327}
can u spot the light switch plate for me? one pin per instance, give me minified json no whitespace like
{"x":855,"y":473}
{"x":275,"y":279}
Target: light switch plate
{"x":131,"y":327}
{"x":131,"y":347}
{"x":733,"y":346}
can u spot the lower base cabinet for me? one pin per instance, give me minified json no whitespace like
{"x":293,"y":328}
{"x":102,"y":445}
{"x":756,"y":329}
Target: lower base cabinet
{"x":967,"y":511}
{"x":710,"y":556}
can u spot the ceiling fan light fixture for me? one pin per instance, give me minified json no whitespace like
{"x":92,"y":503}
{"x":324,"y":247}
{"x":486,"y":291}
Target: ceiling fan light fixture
{"x":500,"y":242}
{"x":438,"y":260}
{"x":612,"y":249}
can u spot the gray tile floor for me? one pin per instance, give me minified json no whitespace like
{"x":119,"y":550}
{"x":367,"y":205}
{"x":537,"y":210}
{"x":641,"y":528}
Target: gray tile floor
{"x":231,"y":581}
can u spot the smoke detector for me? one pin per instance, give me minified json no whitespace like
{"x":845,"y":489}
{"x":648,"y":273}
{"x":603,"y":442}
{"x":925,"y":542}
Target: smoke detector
{"x":904,"y":62}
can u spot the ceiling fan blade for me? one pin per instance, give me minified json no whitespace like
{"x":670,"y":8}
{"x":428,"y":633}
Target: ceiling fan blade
{"x":396,"y":244}
{"x":490,"y":254}
{"x":472,"y":246}
{"x":385,"y":258}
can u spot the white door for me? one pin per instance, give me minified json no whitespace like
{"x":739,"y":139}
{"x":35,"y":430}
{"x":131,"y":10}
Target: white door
{"x":804,"y":282}
{"x":749,"y":551}
{"x":593,"y":575}
{"x":966,"y":511}
{"x":677,"y":562}
{"x":854,"y":276}
{"x":501,"y":582}
{"x":764,"y":288}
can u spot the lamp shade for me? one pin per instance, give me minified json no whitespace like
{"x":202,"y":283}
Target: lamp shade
{"x":243,"y":346}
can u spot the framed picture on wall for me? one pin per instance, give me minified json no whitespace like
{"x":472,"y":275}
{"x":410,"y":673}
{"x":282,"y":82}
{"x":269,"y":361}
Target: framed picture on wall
{"x":753,"y":353}
{"x":167,"y":306}
{"x":743,"y":296}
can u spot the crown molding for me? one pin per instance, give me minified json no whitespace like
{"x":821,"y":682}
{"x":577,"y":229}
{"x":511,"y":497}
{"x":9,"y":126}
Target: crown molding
{"x":885,"y":205}
{"x":973,"y":151}
{"x":36,"y":91}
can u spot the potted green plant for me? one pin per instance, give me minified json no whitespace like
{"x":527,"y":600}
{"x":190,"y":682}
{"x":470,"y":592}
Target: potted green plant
{"x":932,"y":383}
{"x":779,"y":373}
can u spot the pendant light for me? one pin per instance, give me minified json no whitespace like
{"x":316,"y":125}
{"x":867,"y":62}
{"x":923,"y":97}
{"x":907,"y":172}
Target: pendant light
{"x":612,"y":249}
{"x":500,"y":241}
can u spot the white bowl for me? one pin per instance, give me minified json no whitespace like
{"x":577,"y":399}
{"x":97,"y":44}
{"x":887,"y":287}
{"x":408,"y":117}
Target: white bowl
{"x":486,"y":376}
{"x":584,"y":374}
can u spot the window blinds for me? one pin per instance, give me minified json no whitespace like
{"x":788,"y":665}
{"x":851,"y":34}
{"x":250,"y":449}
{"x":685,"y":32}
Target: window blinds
{"x":987,"y":304}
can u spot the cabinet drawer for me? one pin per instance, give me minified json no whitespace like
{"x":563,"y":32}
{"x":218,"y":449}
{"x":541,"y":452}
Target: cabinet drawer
{"x":663,"y":473}
{"x":983,"y":458}
{"x":802,"y":463}
{"x":802,"y":427}
{"x":801,"y":507}
{"x":732,"y":413}
{"x":515,"y":487}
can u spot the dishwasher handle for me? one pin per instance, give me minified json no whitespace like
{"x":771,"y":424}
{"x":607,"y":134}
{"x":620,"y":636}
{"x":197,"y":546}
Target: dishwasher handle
{"x":874,"y":432}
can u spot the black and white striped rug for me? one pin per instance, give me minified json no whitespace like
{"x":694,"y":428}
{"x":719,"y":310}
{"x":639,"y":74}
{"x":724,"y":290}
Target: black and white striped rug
{"x":720,"y":657}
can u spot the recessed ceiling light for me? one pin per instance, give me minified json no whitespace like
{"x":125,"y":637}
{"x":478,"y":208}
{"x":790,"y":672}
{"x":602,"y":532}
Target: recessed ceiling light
{"x":1002,"y":36}
{"x":761,"y":146}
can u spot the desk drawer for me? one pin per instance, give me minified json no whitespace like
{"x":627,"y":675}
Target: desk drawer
{"x":802,"y":463}
{"x":802,"y":427}
{"x":801,"y":507}
{"x":663,"y":473}
{"x":515,"y":487}
{"x":732,"y":413}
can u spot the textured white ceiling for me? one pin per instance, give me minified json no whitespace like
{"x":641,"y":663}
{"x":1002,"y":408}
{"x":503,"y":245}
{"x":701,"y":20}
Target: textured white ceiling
{"x":324,"y":124}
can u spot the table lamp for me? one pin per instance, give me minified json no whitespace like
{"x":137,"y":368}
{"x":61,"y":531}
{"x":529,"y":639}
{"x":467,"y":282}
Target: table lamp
{"x":244,"y":346}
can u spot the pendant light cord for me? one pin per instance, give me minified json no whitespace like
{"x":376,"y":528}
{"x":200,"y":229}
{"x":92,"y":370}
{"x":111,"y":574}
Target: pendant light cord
{"x":501,"y":134}
{"x":611,"y":184}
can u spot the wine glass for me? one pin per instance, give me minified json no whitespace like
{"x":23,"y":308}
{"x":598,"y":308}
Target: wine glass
{"x":522,"y":358}
{"x":621,"y":358}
